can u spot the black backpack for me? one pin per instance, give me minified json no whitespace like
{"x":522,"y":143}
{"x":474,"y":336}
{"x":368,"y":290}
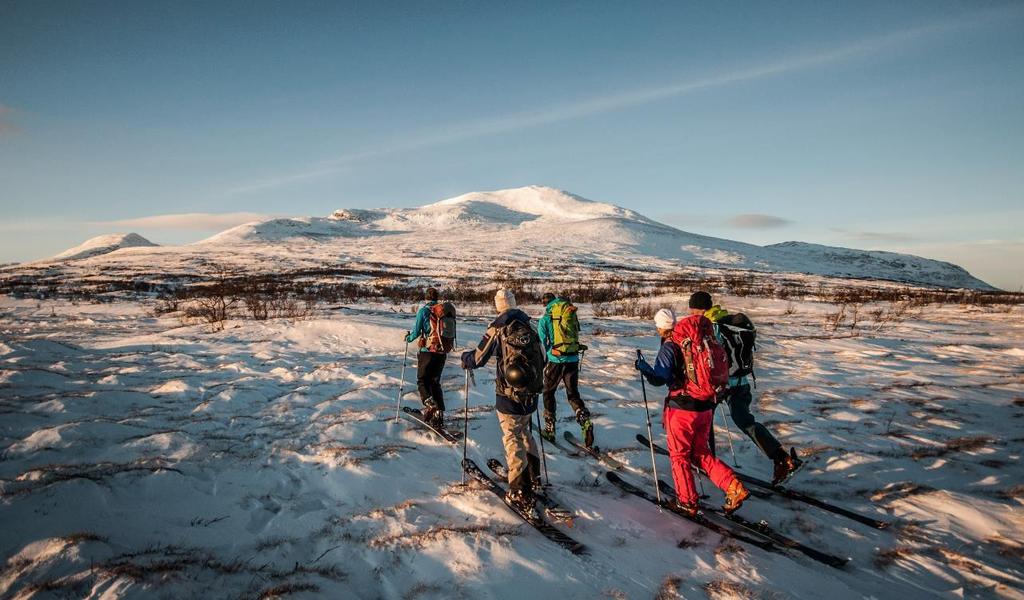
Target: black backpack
{"x":522,"y":362}
{"x":739,"y":337}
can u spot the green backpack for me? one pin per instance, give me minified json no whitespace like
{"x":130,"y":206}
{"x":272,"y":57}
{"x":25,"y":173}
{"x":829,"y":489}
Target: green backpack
{"x":566,"y":328}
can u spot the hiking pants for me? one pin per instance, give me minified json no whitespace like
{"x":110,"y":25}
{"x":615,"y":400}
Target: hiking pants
{"x":568,"y":374}
{"x":520,"y":451}
{"x":687,"y":433}
{"x":429,"y":367}
{"x":739,"y":407}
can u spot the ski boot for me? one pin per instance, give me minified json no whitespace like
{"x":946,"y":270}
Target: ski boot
{"x":735,"y":496}
{"x":548,"y":433}
{"x":432,"y":415}
{"x":785,"y":465}
{"x":687,"y":509}
{"x":522,"y":501}
{"x":586,"y":427}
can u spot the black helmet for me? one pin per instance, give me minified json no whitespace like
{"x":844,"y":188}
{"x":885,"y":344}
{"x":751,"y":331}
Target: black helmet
{"x":517,"y":375}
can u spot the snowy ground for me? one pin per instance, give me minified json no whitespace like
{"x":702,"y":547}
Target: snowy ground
{"x":141,"y":458}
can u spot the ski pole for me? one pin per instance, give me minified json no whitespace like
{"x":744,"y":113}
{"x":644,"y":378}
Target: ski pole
{"x":543,"y":454}
{"x":728,"y":433}
{"x":650,"y":436}
{"x":465,"y":426}
{"x":401,"y":385}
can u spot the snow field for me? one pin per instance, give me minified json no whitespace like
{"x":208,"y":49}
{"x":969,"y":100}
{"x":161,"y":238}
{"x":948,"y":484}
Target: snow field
{"x":143,"y":458}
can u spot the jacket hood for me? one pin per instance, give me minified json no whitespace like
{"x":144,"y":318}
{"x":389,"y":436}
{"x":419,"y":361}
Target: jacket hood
{"x":512,"y":314}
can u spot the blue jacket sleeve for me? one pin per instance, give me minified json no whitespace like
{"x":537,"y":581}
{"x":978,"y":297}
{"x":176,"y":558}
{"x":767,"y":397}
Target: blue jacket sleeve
{"x":420,"y":327}
{"x":664,"y":368}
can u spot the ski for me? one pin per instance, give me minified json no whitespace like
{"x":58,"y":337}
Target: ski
{"x":417,"y":416}
{"x":761,"y":528}
{"x":593,"y":452}
{"x":553,"y":510}
{"x":536,"y":521}
{"x":701,"y":519}
{"x":789,"y":493}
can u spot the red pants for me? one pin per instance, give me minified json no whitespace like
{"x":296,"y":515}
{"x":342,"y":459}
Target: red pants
{"x":687,"y":433}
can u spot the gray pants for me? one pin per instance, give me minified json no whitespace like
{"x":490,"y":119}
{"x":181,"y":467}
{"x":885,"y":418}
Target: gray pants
{"x":520,"y":451}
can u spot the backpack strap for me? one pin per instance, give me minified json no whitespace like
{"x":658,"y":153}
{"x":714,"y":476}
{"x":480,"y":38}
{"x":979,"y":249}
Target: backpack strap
{"x":689,"y":368}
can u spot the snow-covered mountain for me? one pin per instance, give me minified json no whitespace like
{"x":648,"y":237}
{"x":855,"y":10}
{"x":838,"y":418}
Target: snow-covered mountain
{"x":540,"y":229}
{"x":104,"y":244}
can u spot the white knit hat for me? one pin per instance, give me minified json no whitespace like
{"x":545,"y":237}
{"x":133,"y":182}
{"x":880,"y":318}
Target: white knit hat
{"x":504,"y":300}
{"x":665,"y":319}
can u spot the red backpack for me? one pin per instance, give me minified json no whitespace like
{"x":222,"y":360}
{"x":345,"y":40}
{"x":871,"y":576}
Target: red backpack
{"x":442,"y":328}
{"x":705,"y":365}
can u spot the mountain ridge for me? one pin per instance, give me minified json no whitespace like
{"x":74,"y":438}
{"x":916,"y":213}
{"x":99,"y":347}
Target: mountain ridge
{"x":537,"y":225}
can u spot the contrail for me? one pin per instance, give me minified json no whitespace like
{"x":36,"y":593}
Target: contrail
{"x":606,"y":103}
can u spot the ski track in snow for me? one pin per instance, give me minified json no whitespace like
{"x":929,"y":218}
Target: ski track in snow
{"x":142,"y":458}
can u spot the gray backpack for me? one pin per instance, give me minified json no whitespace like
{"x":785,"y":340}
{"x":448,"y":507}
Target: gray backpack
{"x":522,"y":362}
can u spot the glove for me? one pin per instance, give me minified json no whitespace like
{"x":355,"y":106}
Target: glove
{"x":641,"y":365}
{"x":467,"y":359}
{"x":406,"y":338}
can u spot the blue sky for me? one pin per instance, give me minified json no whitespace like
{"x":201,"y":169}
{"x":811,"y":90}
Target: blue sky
{"x":879,"y":125}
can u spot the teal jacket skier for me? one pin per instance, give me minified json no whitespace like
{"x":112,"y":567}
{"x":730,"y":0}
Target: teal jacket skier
{"x":545,"y":330}
{"x":421,"y":328}
{"x":561,"y":369}
{"x":429,"y":365}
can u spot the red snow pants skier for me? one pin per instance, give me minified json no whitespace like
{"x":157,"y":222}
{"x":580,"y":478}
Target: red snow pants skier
{"x":687,"y":433}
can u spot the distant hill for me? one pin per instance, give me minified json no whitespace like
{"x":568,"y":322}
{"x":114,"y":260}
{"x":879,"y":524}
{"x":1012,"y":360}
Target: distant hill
{"x":104,"y":244}
{"x":535,"y":228}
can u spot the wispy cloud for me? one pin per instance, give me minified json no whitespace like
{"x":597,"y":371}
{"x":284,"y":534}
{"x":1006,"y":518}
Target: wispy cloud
{"x":757,"y":221}
{"x":875,"y":236}
{"x":600,"y":104}
{"x":187,"y":221}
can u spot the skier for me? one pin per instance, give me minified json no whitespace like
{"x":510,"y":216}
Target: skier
{"x":687,"y":422}
{"x":435,"y":331}
{"x":559,"y":333}
{"x":739,"y":397}
{"x":518,"y":380}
